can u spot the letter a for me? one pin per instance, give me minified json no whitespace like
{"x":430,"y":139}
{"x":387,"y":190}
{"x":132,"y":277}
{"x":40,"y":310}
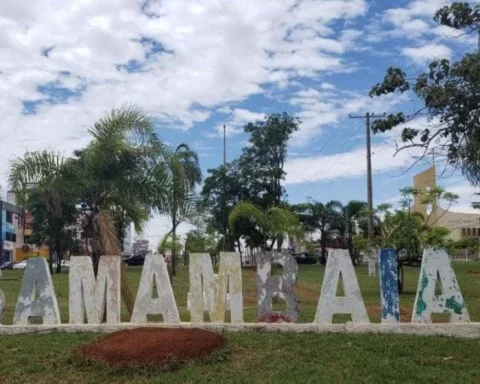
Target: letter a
{"x":37,"y":279}
{"x":96,"y":296}
{"x":215,"y":287}
{"x":340,"y":263}
{"x":155,"y":269}
{"x":436,"y":263}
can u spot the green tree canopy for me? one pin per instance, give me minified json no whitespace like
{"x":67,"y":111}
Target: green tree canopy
{"x":450,"y":93}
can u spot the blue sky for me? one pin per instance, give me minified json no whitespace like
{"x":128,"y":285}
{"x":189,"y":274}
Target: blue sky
{"x":196,"y":65}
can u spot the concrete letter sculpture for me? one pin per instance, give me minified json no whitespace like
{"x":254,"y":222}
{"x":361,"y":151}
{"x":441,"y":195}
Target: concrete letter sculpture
{"x":281,"y":287}
{"x":339,"y":264}
{"x":435,"y":263}
{"x":37,"y":280}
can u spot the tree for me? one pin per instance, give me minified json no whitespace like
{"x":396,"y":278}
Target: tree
{"x":122,"y":170}
{"x":450,"y":93}
{"x":36,"y":180}
{"x":262,"y":163}
{"x":185,"y":174}
{"x":409,"y":232}
{"x":222,"y":189}
{"x":197,"y":242}
{"x":347,"y":225}
{"x":271,"y":223}
{"x":324,"y":218}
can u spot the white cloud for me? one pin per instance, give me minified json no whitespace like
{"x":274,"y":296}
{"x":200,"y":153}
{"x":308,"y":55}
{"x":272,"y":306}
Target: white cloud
{"x":236,"y":121}
{"x":427,"y":53}
{"x":327,"y":86}
{"x":322,"y":108}
{"x":351,"y":164}
{"x":194,"y":56}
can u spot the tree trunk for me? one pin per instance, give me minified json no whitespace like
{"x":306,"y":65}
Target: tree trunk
{"x":240,"y":251}
{"x":95,"y":241}
{"x":50,"y":258}
{"x":174,"y":250}
{"x":279,"y":243}
{"x":59,"y":255}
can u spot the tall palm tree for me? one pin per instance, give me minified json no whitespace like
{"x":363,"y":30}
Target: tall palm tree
{"x":185,"y":174}
{"x":121,"y":170}
{"x":272,"y":223}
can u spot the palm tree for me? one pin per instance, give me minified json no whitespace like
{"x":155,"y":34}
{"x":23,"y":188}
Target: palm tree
{"x":272,"y":223}
{"x":348,"y":223}
{"x":122,"y":170}
{"x":39,"y":175}
{"x":316,"y":216}
{"x":185,"y":174}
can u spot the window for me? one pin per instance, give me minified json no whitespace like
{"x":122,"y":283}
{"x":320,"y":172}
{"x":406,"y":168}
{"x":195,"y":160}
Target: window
{"x":468,"y":232}
{"x":11,"y":237}
{"x":9,"y":217}
{"x":463,"y":232}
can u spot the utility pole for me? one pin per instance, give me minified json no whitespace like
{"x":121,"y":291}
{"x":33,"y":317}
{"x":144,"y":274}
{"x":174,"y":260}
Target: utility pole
{"x":368,"y":116}
{"x":225,"y":219}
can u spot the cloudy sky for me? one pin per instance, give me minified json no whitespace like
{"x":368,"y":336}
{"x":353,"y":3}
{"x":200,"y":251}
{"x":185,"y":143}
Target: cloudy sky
{"x":196,"y":65}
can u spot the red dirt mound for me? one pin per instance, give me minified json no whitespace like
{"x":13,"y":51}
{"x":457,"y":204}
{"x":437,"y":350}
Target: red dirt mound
{"x":152,"y":346}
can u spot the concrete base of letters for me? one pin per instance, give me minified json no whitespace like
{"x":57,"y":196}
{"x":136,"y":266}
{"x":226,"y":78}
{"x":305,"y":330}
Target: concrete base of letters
{"x":465,"y":330}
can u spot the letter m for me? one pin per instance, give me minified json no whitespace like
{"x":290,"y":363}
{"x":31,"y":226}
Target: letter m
{"x":204,"y":283}
{"x":95,"y":296}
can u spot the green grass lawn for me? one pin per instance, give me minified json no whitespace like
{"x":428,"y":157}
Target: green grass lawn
{"x":263,"y":357}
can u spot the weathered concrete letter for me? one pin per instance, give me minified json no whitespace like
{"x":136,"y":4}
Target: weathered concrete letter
{"x":96,"y":296}
{"x":340,"y":263}
{"x":37,"y":279}
{"x":436,"y":263}
{"x":389,"y":286}
{"x":282,"y":287}
{"x":155,"y":269}
{"x":214,"y":287}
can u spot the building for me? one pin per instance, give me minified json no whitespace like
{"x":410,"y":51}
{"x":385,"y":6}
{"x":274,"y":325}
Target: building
{"x":461,"y":225}
{"x":128,"y":240}
{"x":141,"y":247}
{"x":11,"y":232}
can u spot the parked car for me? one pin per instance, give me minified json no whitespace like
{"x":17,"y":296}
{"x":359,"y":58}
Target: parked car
{"x":307,"y":258}
{"x":135,"y":260}
{"x":20,"y":265}
{"x":8,"y":265}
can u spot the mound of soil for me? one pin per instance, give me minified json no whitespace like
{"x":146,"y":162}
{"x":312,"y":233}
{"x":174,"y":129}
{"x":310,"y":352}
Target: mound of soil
{"x":152,"y":346}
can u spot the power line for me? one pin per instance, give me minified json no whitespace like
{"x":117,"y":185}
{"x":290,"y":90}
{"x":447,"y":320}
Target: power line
{"x":392,"y":99}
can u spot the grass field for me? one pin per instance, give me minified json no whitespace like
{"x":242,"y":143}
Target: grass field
{"x":263,"y":357}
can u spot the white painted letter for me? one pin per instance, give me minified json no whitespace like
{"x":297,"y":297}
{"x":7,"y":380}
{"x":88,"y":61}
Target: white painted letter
{"x":155,"y":269}
{"x":436,"y":263}
{"x":37,"y":279}
{"x":340,"y":263}
{"x":96,"y":296}
{"x":215,"y":287}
